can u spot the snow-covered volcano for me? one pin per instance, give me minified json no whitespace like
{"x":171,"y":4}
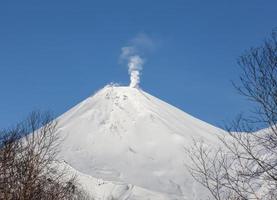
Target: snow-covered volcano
{"x":125,"y":136}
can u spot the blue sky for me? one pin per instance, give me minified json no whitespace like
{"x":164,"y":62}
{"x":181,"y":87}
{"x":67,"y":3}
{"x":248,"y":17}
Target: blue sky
{"x":53,"y":54}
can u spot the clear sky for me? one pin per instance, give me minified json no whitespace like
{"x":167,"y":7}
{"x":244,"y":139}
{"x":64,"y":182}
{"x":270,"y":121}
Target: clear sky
{"x":54,"y":54}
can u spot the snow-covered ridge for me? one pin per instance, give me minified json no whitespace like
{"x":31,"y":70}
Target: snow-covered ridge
{"x":126,"y":136}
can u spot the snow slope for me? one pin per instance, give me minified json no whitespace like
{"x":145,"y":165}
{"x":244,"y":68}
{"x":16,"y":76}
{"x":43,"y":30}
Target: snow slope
{"x":133,"y":142}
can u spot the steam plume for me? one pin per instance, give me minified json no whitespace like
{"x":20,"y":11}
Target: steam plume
{"x":135,"y":63}
{"x":131,"y":54}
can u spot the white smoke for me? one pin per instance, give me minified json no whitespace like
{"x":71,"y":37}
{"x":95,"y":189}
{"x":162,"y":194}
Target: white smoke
{"x":139,"y":45}
{"x":135,"y":64}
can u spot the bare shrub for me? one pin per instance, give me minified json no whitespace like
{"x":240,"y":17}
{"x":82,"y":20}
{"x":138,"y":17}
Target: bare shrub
{"x":245,"y":166}
{"x":28,"y":164}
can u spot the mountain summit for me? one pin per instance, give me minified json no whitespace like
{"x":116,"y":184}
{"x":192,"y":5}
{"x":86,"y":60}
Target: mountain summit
{"x":125,"y":136}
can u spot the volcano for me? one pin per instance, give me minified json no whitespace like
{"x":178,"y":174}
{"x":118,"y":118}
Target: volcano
{"x":127,"y":144}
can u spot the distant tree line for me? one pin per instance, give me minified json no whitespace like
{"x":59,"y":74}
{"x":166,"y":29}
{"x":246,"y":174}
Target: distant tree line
{"x":245,"y":165}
